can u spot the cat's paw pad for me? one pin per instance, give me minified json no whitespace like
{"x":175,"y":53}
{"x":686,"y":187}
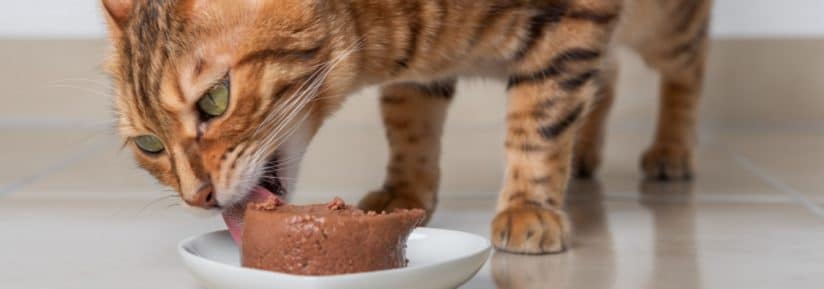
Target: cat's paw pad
{"x":668,"y":163}
{"x":530,"y":230}
{"x":381,"y":200}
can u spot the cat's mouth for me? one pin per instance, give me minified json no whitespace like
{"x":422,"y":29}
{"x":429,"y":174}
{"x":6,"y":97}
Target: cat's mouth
{"x":269,"y":185}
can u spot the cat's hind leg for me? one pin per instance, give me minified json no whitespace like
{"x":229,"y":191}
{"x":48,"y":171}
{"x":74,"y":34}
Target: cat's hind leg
{"x":414,"y":116}
{"x":680,"y":56}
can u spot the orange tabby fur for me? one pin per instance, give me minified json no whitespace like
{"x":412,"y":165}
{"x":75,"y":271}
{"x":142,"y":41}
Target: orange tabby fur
{"x":293,"y":62}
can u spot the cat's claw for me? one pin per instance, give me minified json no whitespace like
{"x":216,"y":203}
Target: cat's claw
{"x":530,"y":230}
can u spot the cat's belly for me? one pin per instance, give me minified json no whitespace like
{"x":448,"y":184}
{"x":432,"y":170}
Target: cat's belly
{"x":473,"y":69}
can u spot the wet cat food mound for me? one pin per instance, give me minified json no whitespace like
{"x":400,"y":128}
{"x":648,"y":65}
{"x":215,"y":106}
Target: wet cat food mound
{"x":325,"y":239}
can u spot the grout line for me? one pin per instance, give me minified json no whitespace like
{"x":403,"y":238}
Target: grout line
{"x":53,"y":168}
{"x":778,"y":184}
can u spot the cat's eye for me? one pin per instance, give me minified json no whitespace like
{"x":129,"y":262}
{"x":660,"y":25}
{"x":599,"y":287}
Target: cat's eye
{"x":149,"y":144}
{"x":216,"y":101}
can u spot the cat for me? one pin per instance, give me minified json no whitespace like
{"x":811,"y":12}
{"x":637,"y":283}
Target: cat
{"x":219,"y":99}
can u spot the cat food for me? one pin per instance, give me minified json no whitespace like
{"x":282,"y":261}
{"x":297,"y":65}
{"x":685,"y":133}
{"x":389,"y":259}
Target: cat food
{"x":326,"y":239}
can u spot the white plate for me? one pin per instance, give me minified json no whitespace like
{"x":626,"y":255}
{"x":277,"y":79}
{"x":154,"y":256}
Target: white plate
{"x":438,"y":259}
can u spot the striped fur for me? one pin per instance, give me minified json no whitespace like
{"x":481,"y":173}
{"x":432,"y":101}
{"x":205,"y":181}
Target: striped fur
{"x":293,"y":62}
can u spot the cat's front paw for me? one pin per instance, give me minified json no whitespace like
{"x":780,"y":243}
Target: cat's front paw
{"x":530,"y":230}
{"x":668,"y":162}
{"x":382,"y":200}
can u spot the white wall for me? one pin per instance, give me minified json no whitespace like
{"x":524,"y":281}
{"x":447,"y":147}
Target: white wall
{"x":753,"y":18}
{"x":733,"y":18}
{"x":51,"y":18}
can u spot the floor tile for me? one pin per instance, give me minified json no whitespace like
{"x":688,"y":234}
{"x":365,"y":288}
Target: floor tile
{"x":71,"y":243}
{"x":646,"y":243}
{"x":109,"y":173}
{"x":26,"y":154}
{"x":650,"y":243}
{"x":718,"y":177}
{"x":793,"y":159}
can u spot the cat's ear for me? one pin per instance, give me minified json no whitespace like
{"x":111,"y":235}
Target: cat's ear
{"x":117,"y":14}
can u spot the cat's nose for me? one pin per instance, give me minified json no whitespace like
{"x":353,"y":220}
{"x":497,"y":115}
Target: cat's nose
{"x":204,"y":198}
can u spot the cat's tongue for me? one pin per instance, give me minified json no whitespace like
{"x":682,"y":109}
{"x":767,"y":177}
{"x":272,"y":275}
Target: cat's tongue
{"x":234,"y":216}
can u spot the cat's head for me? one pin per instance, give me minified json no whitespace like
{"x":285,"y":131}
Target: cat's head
{"x":219,"y":98}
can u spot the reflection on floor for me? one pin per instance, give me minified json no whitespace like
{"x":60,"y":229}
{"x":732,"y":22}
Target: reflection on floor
{"x":665,"y":239}
{"x":589,"y":216}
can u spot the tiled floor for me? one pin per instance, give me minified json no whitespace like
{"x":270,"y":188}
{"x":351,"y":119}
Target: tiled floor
{"x":75,"y":213}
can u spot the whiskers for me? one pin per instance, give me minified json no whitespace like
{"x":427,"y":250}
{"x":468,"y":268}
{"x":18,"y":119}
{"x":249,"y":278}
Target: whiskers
{"x":170,"y":200}
{"x":282,"y":163}
{"x":92,"y":86}
{"x":288,"y":116}
{"x":270,"y":169}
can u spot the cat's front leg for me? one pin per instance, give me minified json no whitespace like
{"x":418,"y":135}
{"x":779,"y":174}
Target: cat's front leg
{"x":413,"y":115}
{"x":546,"y":107}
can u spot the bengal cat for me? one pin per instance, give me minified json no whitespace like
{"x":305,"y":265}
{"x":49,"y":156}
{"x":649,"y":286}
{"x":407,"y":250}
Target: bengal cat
{"x":220,"y":98}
